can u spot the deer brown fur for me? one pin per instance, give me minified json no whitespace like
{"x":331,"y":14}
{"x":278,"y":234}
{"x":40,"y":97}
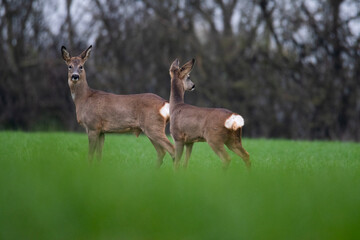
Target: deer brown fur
{"x":190,"y":124}
{"x":101,"y":112}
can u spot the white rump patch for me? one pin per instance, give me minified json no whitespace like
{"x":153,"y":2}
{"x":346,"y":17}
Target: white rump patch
{"x":234,"y":122}
{"x":165,"y":110}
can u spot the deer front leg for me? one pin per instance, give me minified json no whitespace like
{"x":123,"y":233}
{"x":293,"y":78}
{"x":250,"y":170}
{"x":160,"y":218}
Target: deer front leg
{"x":188,"y":153}
{"x":93,"y":139}
{"x":99,"y":146}
{"x":179,"y":148}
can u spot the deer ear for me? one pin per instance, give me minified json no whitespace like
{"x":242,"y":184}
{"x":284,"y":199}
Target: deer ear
{"x":85,"y":54}
{"x":186,"y":68}
{"x":174,"y":65}
{"x":65,"y":54}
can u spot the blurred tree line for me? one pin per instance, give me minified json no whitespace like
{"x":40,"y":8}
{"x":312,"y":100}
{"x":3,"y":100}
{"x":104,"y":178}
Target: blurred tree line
{"x":290,"y":68}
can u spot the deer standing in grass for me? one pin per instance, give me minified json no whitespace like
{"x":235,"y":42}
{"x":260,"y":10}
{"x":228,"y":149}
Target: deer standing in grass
{"x":189,"y":124}
{"x":101,"y":112}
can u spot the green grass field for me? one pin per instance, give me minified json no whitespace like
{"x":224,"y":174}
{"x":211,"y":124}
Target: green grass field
{"x":295,"y":190}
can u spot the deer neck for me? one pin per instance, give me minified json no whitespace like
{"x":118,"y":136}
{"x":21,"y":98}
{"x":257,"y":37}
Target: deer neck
{"x":79,"y":91}
{"x":177,"y":93}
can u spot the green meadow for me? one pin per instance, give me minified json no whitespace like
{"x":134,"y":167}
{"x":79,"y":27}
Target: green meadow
{"x":295,"y":190}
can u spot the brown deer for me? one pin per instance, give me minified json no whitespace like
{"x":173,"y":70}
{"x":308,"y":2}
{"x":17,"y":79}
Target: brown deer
{"x":101,"y":112}
{"x":189,"y":124}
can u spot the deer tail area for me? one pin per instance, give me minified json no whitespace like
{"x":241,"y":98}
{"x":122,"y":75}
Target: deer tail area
{"x":234,"y":122}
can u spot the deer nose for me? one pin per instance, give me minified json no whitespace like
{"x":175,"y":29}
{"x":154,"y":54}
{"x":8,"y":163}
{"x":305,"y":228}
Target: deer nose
{"x":75,"y":77}
{"x":192,"y":88}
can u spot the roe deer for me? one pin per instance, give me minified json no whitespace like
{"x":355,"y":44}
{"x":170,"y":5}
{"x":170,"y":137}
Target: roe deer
{"x":101,"y":112}
{"x":189,"y":124}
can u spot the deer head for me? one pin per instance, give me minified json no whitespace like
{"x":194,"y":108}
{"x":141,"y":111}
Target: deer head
{"x":76,"y":71}
{"x":182,"y":74}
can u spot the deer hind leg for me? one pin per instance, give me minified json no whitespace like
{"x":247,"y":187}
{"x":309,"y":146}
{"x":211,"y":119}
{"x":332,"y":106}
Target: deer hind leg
{"x":188,"y":153}
{"x":244,"y":155}
{"x":221,"y":152}
{"x":166,"y":144}
{"x":162,"y":142}
{"x":160,"y":152}
{"x":236,"y":146}
{"x":240,"y":151}
{"x":157,"y":135}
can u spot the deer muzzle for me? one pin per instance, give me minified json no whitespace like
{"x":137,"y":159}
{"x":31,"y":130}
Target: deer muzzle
{"x":75,"y":77}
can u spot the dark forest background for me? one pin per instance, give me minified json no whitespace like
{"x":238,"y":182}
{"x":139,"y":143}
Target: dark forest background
{"x":290,"y":68}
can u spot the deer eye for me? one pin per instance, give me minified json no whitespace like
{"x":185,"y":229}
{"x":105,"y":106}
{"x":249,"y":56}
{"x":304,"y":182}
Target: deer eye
{"x":70,"y":67}
{"x":81,"y":67}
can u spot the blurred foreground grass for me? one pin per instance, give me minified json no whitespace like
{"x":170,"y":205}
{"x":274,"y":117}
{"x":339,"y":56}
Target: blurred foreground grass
{"x":295,"y":190}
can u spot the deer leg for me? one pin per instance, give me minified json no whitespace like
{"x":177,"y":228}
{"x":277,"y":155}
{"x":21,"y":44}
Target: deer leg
{"x":158,"y":136}
{"x":240,"y":151}
{"x":221,"y":152}
{"x":99,"y":146}
{"x":93,"y":139}
{"x":188,"y":153}
{"x":179,"y":148}
{"x":166,"y":144}
{"x":160,"y":152}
